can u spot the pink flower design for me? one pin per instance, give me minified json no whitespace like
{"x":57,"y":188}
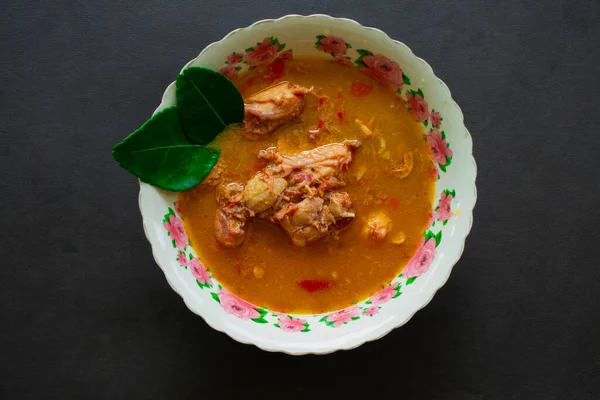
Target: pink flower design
{"x":422,"y":259}
{"x":229,"y":71}
{"x":444,"y":211}
{"x":182,"y":259}
{"x":291,"y":324}
{"x":235,"y":306}
{"x":342,"y":61}
{"x":200,"y":272}
{"x":371,"y":311}
{"x":383,"y":70}
{"x":436,"y":119}
{"x":418,"y":106}
{"x":439,"y":147}
{"x":234,"y":58}
{"x":339,"y":318}
{"x":286,"y":55}
{"x":177,"y":232}
{"x":384,"y":295}
{"x":261,"y":54}
{"x":333,"y":45}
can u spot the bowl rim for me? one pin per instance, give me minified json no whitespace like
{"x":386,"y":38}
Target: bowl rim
{"x":348,"y":345}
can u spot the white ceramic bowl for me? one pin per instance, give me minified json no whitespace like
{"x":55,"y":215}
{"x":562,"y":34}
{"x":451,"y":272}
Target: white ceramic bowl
{"x":443,"y":241}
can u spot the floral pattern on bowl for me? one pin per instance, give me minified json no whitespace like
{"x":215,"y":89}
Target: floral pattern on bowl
{"x":392,"y":65}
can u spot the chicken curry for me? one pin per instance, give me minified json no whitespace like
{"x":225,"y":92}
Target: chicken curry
{"x":321,"y":195}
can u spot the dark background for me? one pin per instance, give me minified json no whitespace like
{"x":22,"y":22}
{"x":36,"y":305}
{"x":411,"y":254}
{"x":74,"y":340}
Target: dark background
{"x":85,"y":312}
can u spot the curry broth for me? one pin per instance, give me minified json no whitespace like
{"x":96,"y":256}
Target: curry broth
{"x":266,"y":269}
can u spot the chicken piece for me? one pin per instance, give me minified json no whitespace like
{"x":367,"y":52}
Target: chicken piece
{"x":271,"y":108}
{"x":309,"y":222}
{"x":335,"y":155}
{"x":402,"y":169}
{"x":378,"y":225}
{"x":231,"y":216}
{"x":313,"y":171}
{"x":340,"y":205}
{"x":292,"y":191}
{"x":230,"y":232}
{"x":263,"y":189}
{"x":230,"y":193}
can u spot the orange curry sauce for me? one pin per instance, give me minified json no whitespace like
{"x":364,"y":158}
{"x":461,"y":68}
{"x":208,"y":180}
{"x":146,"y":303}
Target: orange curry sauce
{"x":267,"y":270}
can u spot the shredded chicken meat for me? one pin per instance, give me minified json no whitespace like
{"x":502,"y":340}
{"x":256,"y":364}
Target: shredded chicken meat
{"x":295,"y":192}
{"x":271,"y":108}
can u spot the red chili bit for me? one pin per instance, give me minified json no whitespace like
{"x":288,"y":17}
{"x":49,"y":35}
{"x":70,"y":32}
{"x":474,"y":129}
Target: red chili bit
{"x":339,"y":95}
{"x":394,"y":203}
{"x":320,"y":124}
{"x":340,"y":116}
{"x":276,"y":67}
{"x":360,"y":89}
{"x":291,"y":211}
{"x":321,"y":100}
{"x":311,"y":285}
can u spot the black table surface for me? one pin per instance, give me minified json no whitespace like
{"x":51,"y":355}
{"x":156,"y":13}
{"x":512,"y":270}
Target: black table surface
{"x":85,"y":313}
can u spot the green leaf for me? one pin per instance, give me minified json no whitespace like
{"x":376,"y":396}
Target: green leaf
{"x":406,"y":79}
{"x":355,"y":318}
{"x":438,"y":238}
{"x":167,"y":215}
{"x":249,"y":49}
{"x":321,"y":37}
{"x":215,"y":297}
{"x":260,"y":320}
{"x":305,"y":329}
{"x":276,"y":326}
{"x":449,"y":192}
{"x":411,"y":280}
{"x":262,"y":312}
{"x":323,"y":319}
{"x":429,"y":235}
{"x":443,"y":135}
{"x":207,"y":102}
{"x":159,"y":153}
{"x":348,"y":45}
{"x":360,"y":63}
{"x":281,"y":47}
{"x":364,"y":52}
{"x":419,"y":91}
{"x":442,"y":167}
{"x":448,"y":161}
{"x":425,"y":122}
